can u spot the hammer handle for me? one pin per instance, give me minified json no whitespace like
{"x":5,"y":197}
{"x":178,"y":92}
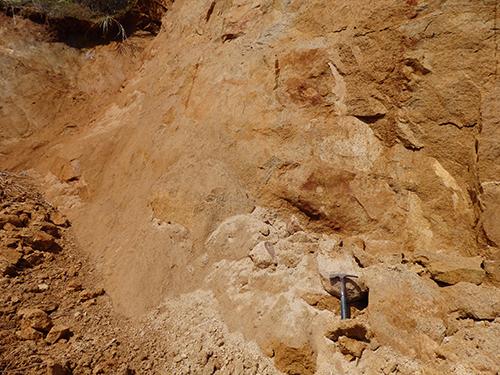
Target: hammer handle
{"x":344,"y":314}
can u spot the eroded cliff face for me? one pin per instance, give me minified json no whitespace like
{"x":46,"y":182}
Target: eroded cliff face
{"x":253,"y":147}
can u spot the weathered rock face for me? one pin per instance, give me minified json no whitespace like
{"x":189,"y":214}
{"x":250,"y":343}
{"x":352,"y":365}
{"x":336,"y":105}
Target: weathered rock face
{"x":452,"y":269}
{"x":375,"y":121}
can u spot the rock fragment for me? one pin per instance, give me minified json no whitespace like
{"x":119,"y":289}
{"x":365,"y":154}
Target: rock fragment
{"x":403,"y":306}
{"x":56,"y":368}
{"x":472,"y":301}
{"x":353,"y":328}
{"x":10,"y":219}
{"x":29,"y":333}
{"x":322,"y":301}
{"x":451,"y":269}
{"x":37,"y":239}
{"x":7,"y":269}
{"x":88,"y":294}
{"x":10,"y":255}
{"x":351,"y":335}
{"x":59,"y":219}
{"x":294,"y":360}
{"x":36,"y":319}
{"x":48,"y":228}
{"x":34,"y":258}
{"x":74,"y":286}
{"x":261,"y":256}
{"x":56,"y":332}
{"x":9,"y":227}
{"x":351,"y":348}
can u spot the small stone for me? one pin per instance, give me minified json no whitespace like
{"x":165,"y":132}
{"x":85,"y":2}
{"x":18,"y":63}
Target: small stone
{"x":49,"y":307}
{"x":374,"y":344}
{"x":55,"y":368}
{"x":492,"y":268}
{"x":390,"y":368}
{"x":34,"y":258}
{"x":13,"y":220}
{"x":10,"y":255}
{"x":209,"y":368}
{"x":301,"y":237}
{"x":59,"y":219}
{"x":350,"y":347}
{"x":39,"y":214}
{"x":90,"y":294}
{"x":265,"y":231}
{"x":29,"y":333}
{"x":37,"y":319}
{"x":24,"y":219}
{"x":49,"y":228}
{"x":72,"y":271}
{"x":74,"y":285}
{"x":322,"y":301}
{"x":61,"y":344}
{"x":202,"y":358}
{"x":7,"y":269}
{"x":362,"y":257}
{"x":11,"y":242}
{"x":56,"y":332}
{"x":9,"y":227}
{"x":43,"y":287}
{"x":37,"y":239}
{"x":90,"y":302}
{"x":261,"y":256}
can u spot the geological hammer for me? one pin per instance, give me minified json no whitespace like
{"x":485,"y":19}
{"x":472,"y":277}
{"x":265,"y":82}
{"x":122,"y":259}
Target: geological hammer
{"x":343,"y":298}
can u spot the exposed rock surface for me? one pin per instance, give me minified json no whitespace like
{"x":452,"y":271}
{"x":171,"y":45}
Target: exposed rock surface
{"x":475,"y":302}
{"x":251,"y":149}
{"x":450,"y":269}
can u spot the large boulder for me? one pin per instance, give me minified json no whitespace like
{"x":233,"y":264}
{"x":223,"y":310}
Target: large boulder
{"x":405,"y":311}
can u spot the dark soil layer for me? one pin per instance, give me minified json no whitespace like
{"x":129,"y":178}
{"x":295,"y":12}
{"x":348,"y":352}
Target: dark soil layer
{"x":87,"y":25}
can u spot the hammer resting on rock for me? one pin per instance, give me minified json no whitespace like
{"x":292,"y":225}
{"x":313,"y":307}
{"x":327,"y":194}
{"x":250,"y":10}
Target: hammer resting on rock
{"x":343,"y":298}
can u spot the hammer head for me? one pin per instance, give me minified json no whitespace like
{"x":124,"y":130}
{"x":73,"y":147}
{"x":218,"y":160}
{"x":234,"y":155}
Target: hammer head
{"x":340,"y":276}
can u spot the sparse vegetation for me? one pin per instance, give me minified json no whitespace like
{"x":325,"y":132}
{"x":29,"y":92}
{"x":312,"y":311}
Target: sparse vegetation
{"x":85,"y":10}
{"x":102,"y":14}
{"x":80,"y":9}
{"x":106,"y":21}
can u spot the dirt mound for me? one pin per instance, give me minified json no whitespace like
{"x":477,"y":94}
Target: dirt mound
{"x":57,"y":319}
{"x":53,"y":309}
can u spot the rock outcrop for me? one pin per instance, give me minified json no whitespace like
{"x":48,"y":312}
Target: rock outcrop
{"x":252,"y":148}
